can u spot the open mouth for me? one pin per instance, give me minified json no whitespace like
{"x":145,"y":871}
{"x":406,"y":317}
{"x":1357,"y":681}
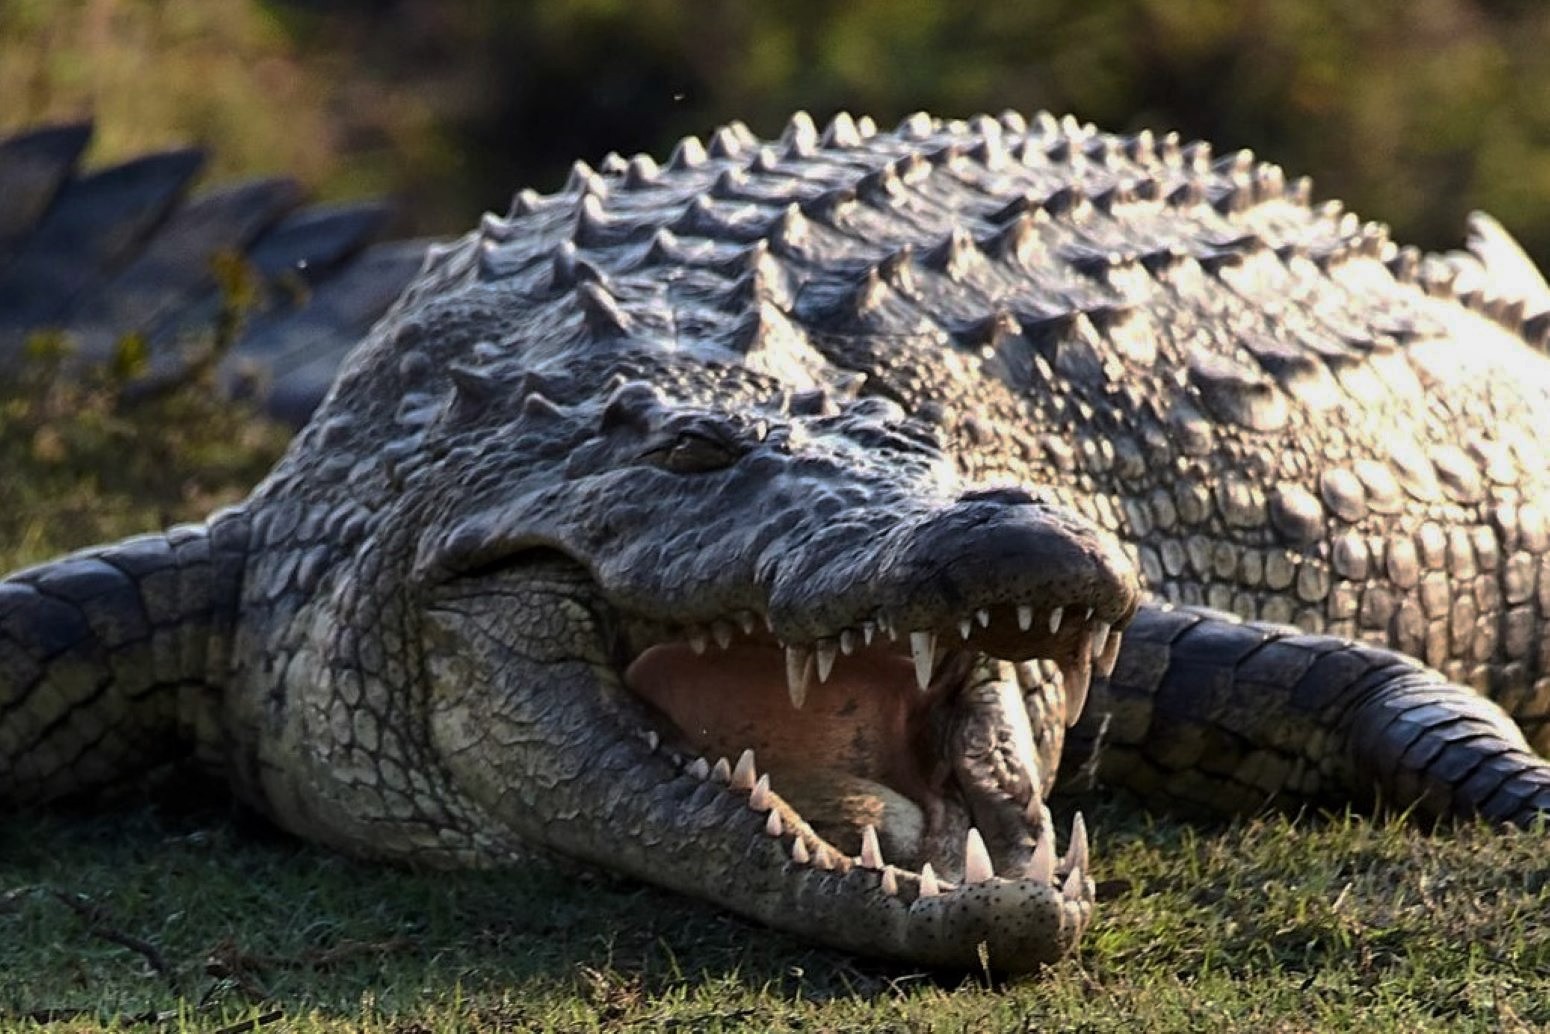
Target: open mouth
{"x":868,"y":764}
{"x":920,"y":753}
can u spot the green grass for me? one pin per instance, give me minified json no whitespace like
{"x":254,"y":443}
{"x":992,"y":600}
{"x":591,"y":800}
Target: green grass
{"x":1335,"y":924}
{"x":87,"y":457}
{"x":166,"y":913}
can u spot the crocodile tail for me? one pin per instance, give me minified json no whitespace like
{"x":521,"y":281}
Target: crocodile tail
{"x":112,"y":659}
{"x":1444,"y":751}
{"x":135,"y":249}
{"x":1212,"y":713}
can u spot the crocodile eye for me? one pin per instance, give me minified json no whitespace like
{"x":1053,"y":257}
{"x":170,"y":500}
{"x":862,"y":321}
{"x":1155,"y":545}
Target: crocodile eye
{"x":694,"y":452}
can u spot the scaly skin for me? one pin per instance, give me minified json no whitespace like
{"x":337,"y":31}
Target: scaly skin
{"x":848,"y":457}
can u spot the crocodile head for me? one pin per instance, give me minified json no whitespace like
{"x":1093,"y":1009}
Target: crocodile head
{"x":761,"y":645}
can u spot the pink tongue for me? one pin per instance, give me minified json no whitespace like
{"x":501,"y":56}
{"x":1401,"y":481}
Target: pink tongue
{"x":726,"y":701}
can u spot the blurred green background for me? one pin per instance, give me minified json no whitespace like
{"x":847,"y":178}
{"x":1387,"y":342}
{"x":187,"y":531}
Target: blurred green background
{"x":1412,"y":111}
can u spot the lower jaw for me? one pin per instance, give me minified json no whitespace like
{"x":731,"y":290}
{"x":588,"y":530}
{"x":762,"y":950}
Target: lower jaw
{"x":786,"y":875}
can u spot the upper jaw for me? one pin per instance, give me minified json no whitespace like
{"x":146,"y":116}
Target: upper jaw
{"x":990,"y":568}
{"x":1080,"y":638}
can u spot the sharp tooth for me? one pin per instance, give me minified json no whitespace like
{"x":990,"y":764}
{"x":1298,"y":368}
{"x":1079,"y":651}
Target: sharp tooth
{"x":1099,"y":639}
{"x":821,"y":858}
{"x":1024,"y":616}
{"x":965,"y":626}
{"x":697,"y":641}
{"x":923,"y":646}
{"x":744,"y":776}
{"x":868,"y":630}
{"x":976,"y":860}
{"x":1078,"y":680}
{"x":799,"y":666}
{"x":759,"y":796}
{"x":871,"y":850}
{"x":721,"y":772}
{"x":983,"y":617}
{"x":769,"y":623}
{"x":1076,"y":850}
{"x":799,"y":852}
{"x":745,"y":619}
{"x":1074,"y":887}
{"x":722,"y":633}
{"x":653,"y":741}
{"x":928,"y":887}
{"x":1087,"y":615}
{"x":1054,"y":619}
{"x":1042,"y":867}
{"x":827,"y":649}
{"x":890,"y":882}
{"x":773,"y":825}
{"x":847,"y":642}
{"x":1110,"y":655}
{"x":699,"y":768}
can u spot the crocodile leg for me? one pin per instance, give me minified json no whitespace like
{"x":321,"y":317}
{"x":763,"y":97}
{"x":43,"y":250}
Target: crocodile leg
{"x":110,"y":658}
{"x":1212,"y":713}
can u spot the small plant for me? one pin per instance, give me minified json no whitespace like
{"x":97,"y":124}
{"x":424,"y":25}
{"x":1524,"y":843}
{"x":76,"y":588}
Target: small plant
{"x":93,"y":452}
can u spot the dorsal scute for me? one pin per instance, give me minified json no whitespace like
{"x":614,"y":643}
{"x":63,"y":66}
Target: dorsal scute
{"x":792,"y":256}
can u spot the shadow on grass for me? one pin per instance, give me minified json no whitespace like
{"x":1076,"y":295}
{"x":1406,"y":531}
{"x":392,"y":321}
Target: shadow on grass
{"x":168,"y":905}
{"x":1228,"y":928}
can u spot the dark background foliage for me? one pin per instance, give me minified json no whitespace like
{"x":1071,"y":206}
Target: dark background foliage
{"x":1413,"y":111}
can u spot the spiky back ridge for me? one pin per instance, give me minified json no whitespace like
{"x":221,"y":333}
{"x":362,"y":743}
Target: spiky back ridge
{"x":941,"y":231}
{"x":1071,"y":307}
{"x":847,"y":230}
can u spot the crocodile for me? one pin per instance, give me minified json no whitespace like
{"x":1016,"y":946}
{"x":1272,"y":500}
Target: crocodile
{"x":776,"y":523}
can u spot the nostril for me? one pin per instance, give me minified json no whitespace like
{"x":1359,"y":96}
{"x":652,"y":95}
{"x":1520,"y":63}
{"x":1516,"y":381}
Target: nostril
{"x":1005,"y":495}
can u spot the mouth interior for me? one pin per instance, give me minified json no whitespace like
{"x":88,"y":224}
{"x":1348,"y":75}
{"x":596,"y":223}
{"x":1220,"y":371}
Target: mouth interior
{"x":859,"y":750}
{"x":868,"y":746}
